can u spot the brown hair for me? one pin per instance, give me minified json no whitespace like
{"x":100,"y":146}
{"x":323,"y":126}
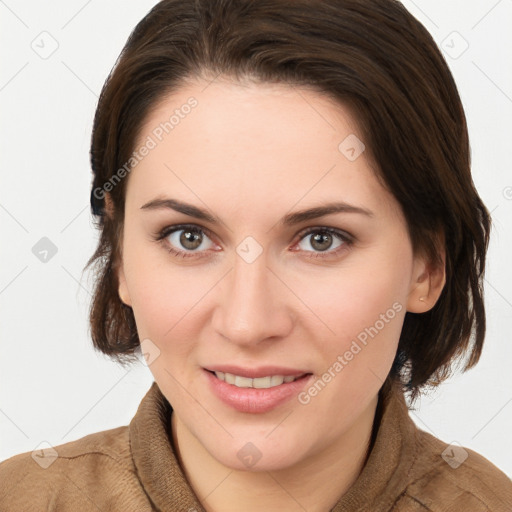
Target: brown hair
{"x":370,"y":54}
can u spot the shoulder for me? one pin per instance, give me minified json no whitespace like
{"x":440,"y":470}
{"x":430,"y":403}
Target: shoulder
{"x":450,"y":477}
{"x":89,"y":473}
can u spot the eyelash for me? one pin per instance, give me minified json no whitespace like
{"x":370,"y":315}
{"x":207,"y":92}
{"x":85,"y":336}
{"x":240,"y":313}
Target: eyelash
{"x":347,"y":240}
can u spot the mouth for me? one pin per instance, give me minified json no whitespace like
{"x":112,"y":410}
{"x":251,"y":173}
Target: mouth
{"x":256,"y":390}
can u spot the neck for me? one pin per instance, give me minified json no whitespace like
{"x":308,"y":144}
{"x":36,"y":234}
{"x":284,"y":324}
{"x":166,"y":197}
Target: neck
{"x":315,"y":484}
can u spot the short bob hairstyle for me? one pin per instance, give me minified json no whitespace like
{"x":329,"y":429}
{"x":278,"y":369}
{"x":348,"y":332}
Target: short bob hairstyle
{"x":371,"y":55}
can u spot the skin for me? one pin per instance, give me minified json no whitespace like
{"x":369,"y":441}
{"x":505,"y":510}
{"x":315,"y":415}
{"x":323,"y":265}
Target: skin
{"x":250,"y":154}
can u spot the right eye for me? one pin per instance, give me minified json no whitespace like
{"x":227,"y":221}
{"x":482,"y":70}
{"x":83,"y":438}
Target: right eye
{"x":185,"y":240}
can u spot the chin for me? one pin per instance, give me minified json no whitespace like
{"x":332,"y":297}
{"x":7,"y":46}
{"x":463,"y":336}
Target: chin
{"x":257,"y":453}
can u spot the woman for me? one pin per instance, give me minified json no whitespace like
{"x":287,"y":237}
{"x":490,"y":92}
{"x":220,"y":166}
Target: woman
{"x":291,"y":237}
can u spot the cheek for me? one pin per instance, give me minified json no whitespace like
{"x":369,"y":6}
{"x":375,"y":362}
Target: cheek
{"x":363,"y":305}
{"x":353,"y":297}
{"x":356,"y":360}
{"x":162,"y":296}
{"x":163,"y":305}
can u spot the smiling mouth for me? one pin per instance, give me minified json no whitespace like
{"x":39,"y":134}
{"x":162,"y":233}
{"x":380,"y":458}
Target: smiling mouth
{"x":270,"y":381}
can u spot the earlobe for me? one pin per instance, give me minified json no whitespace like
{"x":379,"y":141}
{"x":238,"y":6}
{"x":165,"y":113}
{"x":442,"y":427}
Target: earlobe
{"x":124,"y":295}
{"x":427,"y":288}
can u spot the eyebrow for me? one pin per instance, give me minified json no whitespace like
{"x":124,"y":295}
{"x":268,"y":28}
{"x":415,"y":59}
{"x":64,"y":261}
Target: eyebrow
{"x":288,"y":220}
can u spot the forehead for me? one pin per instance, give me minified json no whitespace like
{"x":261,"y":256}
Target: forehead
{"x":253,"y":144}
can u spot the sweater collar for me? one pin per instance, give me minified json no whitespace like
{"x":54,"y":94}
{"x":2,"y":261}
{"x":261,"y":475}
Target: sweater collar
{"x":381,"y":481}
{"x":385,"y":474}
{"x":153,"y":455}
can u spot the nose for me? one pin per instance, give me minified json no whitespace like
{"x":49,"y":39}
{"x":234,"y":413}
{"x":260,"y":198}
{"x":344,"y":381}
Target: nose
{"x":252,"y":304}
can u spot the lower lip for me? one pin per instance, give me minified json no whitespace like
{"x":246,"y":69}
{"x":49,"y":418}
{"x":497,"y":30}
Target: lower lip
{"x":254,"y":400}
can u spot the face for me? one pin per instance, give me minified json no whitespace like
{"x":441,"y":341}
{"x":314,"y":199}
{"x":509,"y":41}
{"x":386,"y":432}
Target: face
{"x":263,"y":324}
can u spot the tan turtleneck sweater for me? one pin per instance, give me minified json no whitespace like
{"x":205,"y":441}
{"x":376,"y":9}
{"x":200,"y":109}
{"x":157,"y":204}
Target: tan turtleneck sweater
{"x":135,"y":469}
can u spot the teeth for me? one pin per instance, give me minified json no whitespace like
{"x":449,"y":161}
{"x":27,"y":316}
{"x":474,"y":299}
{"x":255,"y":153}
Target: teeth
{"x":276,"y":380}
{"x":263,"y":382}
{"x":243,"y":382}
{"x":258,"y":383}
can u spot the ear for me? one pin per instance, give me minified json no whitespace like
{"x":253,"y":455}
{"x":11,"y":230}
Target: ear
{"x":109,"y":205}
{"x":427,"y":283}
{"x":123,"y":292}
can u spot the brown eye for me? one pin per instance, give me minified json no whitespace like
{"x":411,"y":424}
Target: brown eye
{"x":322,"y":240}
{"x":190,"y":239}
{"x":187,"y":239}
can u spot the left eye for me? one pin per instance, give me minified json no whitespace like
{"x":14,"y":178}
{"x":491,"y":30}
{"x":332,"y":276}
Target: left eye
{"x":322,"y":240}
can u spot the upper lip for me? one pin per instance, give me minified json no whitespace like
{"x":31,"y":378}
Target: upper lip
{"x":256,"y":372}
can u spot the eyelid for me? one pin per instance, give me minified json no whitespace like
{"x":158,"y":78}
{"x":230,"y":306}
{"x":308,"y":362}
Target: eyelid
{"x":346,"y":237}
{"x":165,"y":232}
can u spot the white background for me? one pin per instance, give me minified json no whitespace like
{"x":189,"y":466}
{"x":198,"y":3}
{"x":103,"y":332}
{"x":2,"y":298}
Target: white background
{"x":53,"y":386}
